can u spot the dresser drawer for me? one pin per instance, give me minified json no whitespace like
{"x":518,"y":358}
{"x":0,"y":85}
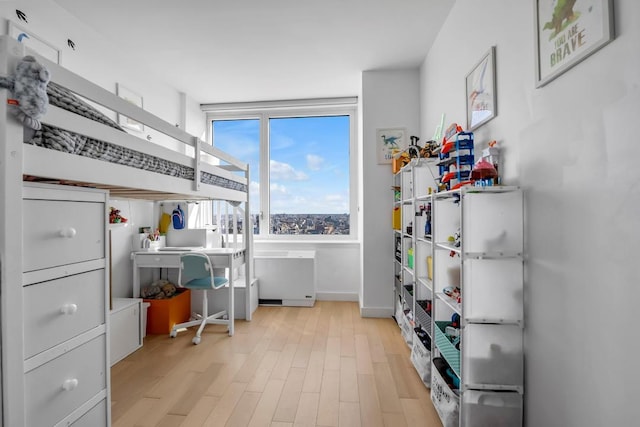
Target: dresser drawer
{"x":55,"y":389}
{"x":95,"y":417}
{"x":60,"y":309}
{"x":62,"y":232}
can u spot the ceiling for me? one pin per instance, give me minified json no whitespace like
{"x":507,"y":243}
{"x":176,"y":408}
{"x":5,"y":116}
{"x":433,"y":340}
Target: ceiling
{"x":255,"y":50}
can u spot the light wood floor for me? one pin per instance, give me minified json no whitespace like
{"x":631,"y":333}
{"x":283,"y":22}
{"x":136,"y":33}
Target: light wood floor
{"x":320,"y":366}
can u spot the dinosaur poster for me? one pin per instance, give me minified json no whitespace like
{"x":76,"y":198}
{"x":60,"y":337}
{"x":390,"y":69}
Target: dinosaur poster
{"x":389,"y":142}
{"x":567,"y":32}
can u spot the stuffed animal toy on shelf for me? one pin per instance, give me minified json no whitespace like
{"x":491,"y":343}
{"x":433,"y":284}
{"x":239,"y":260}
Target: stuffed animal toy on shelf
{"x":28,"y":88}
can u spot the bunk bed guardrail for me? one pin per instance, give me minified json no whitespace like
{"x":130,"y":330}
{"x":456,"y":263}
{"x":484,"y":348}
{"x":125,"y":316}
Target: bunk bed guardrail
{"x":122,"y":161}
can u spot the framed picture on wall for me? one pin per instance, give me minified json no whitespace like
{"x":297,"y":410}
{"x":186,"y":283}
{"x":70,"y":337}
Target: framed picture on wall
{"x":481,"y":91}
{"x":33,"y":43}
{"x":390,"y":142}
{"x":135,"y":99}
{"x":567,"y":32}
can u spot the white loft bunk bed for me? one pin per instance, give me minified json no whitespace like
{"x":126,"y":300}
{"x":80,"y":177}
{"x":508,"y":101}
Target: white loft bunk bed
{"x":69,"y":402}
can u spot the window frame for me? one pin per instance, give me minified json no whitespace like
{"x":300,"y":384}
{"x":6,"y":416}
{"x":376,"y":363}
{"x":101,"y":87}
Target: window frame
{"x":264,"y":111}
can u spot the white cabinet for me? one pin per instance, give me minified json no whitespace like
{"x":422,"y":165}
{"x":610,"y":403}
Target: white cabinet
{"x":126,"y":328}
{"x":65,"y":292}
{"x":478,"y":307}
{"x":286,"y":277}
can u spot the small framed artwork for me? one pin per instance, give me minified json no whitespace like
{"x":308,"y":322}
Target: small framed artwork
{"x":33,"y":43}
{"x":135,"y":99}
{"x":567,"y":33}
{"x":390,"y":142}
{"x":481,"y":91}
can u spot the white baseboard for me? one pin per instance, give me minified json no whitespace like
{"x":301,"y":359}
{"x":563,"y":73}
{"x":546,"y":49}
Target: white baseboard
{"x":336,"y":296}
{"x":376,"y":311}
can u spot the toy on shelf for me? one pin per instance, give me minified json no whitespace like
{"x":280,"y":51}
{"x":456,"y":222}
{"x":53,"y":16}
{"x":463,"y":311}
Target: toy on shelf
{"x":414,"y":151}
{"x":492,"y":155}
{"x":483,"y":173}
{"x":396,"y":193}
{"x":431,"y":149}
{"x":115,"y":217}
{"x":425,"y":210}
{"x":451,"y":130}
{"x":399,"y":161}
{"x":453,"y":293}
{"x":456,"y":158}
{"x":455,"y":241}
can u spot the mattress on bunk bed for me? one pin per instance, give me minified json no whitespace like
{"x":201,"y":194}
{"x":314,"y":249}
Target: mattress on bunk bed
{"x":62,"y":140}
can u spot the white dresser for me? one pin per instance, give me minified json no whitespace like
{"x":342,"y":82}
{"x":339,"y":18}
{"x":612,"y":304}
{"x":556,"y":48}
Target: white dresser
{"x":65,"y":306}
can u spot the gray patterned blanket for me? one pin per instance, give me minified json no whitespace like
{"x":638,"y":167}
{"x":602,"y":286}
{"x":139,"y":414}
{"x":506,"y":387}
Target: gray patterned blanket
{"x":69,"y":142}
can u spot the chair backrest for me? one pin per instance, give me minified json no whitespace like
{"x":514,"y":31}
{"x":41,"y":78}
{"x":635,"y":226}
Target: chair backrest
{"x":194,"y":266}
{"x":197,"y":268}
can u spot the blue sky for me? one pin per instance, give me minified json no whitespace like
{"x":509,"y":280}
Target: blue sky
{"x":309,"y":164}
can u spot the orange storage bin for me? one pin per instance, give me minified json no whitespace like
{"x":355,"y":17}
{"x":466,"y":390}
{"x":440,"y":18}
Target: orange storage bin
{"x":162,"y":314}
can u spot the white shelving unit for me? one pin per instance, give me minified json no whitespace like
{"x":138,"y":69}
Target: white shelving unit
{"x":413,"y":294}
{"x":478,"y":356}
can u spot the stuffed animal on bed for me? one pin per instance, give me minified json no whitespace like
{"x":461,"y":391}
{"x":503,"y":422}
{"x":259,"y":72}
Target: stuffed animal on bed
{"x":29,"y":90}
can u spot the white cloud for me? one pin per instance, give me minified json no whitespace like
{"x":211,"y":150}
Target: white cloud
{"x":254,"y":188}
{"x":285,"y":172}
{"x":278,"y":189}
{"x":314,"y":162}
{"x":280,"y":142}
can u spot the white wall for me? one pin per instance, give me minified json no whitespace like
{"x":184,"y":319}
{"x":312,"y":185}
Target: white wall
{"x":390,"y":99}
{"x":139,"y":214}
{"x":572,"y":146}
{"x":103,"y":64}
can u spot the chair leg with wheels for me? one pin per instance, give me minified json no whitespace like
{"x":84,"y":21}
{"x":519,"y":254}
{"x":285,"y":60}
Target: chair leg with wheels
{"x":204,"y":319}
{"x":198,"y":273}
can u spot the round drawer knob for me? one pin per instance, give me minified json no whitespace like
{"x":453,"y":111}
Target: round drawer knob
{"x":67,"y":232}
{"x":69,"y":309}
{"x":70,"y":384}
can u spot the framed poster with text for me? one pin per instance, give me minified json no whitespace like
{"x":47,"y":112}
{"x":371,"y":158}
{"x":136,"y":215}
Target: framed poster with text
{"x":568,"y":31}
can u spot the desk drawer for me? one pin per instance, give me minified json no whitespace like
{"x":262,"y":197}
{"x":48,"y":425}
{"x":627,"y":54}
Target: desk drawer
{"x":62,"y":232}
{"x":47,"y":401}
{"x":156,"y":259}
{"x":60,"y":309}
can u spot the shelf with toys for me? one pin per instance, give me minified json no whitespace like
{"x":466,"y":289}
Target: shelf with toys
{"x":459,"y":277}
{"x":413,"y":183}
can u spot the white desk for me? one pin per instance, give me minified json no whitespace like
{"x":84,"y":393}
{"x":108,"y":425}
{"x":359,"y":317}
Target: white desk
{"x":228,"y":258}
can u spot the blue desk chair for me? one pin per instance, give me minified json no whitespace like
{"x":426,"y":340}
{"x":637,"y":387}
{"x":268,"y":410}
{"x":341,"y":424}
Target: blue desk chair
{"x":196,"y":273}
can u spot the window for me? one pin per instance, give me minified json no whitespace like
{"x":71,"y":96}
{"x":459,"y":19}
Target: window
{"x":301,"y":161}
{"x":241,"y":139}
